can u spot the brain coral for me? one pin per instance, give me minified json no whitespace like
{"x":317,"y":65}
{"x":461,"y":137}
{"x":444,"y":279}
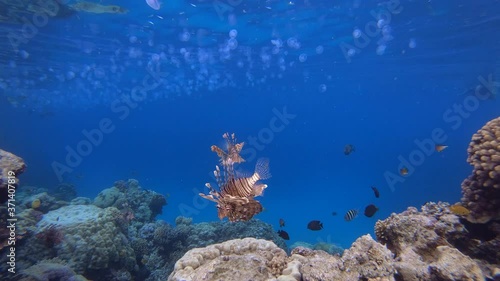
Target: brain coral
{"x":481,"y":190}
{"x":239,"y":259}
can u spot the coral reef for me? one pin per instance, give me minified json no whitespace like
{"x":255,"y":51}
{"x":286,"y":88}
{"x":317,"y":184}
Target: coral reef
{"x":50,"y":270}
{"x":11,"y":166}
{"x":130,"y":197}
{"x":256,"y":259}
{"x":240,"y":259}
{"x":64,"y":192}
{"x":481,"y":190}
{"x":170,"y":243}
{"x":330,"y":248}
{"x":426,"y":243}
{"x":365,"y":260}
{"x":50,"y":236}
{"x":433,"y":244}
{"x":86,"y":238}
{"x":43,"y":202}
{"x":100,"y":243}
{"x":116,"y":237}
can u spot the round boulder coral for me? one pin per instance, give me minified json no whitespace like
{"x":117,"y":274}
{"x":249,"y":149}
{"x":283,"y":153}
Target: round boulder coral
{"x":481,"y":190}
{"x":239,"y":259}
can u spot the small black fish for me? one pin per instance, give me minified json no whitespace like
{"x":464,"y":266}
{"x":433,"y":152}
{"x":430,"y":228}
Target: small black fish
{"x":334,"y":213}
{"x":283,"y":234}
{"x":315,"y":225}
{"x":351,"y":214}
{"x":348,"y":149}
{"x":370,"y":210}
{"x":375,"y":190}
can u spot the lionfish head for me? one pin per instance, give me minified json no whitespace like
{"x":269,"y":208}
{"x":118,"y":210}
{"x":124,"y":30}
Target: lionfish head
{"x":221,"y":211}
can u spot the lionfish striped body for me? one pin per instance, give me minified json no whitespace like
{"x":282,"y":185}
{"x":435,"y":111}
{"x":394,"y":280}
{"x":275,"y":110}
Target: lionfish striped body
{"x":236,"y":196}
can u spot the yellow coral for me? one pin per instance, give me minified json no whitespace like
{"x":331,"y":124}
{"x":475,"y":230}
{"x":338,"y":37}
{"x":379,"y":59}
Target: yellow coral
{"x":36,"y":204}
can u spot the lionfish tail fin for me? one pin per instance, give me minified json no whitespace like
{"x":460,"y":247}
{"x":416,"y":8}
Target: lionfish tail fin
{"x":262,"y":168}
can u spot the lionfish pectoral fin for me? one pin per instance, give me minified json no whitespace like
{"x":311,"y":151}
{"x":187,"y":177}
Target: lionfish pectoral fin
{"x":208,"y":197}
{"x":209,"y":186}
{"x":262,"y":168}
{"x":258,"y":189}
{"x":212,"y":191}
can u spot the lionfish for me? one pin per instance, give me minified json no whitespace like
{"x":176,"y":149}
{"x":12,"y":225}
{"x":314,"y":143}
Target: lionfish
{"x":235,"y":198}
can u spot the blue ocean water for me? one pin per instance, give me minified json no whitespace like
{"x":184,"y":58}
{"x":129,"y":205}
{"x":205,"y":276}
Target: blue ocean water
{"x":145,"y":94}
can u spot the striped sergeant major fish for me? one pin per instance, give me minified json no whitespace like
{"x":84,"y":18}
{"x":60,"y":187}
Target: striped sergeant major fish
{"x":351,"y":214}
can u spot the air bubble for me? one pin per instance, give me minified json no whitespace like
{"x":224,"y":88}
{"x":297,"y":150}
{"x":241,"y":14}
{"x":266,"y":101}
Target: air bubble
{"x":184,"y":36}
{"x":320,"y":49}
{"x":322,"y":88}
{"x":413,"y":43}
{"x":356,"y":33}
{"x":381,"y":49}
{"x":70,"y":75}
{"x":23,"y":54}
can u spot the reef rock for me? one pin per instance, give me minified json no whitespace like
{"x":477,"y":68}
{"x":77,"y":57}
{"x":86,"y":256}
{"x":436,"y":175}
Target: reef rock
{"x":436,"y":244}
{"x":50,"y":270}
{"x":10,"y":163}
{"x":431,"y":244}
{"x":239,"y":259}
{"x":91,"y":238}
{"x":256,"y":259}
{"x":160,"y":245}
{"x":330,"y":248}
{"x":129,"y":196}
{"x":452,"y":265}
{"x":46,"y":202}
{"x":365,"y":260}
{"x":11,"y":166}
